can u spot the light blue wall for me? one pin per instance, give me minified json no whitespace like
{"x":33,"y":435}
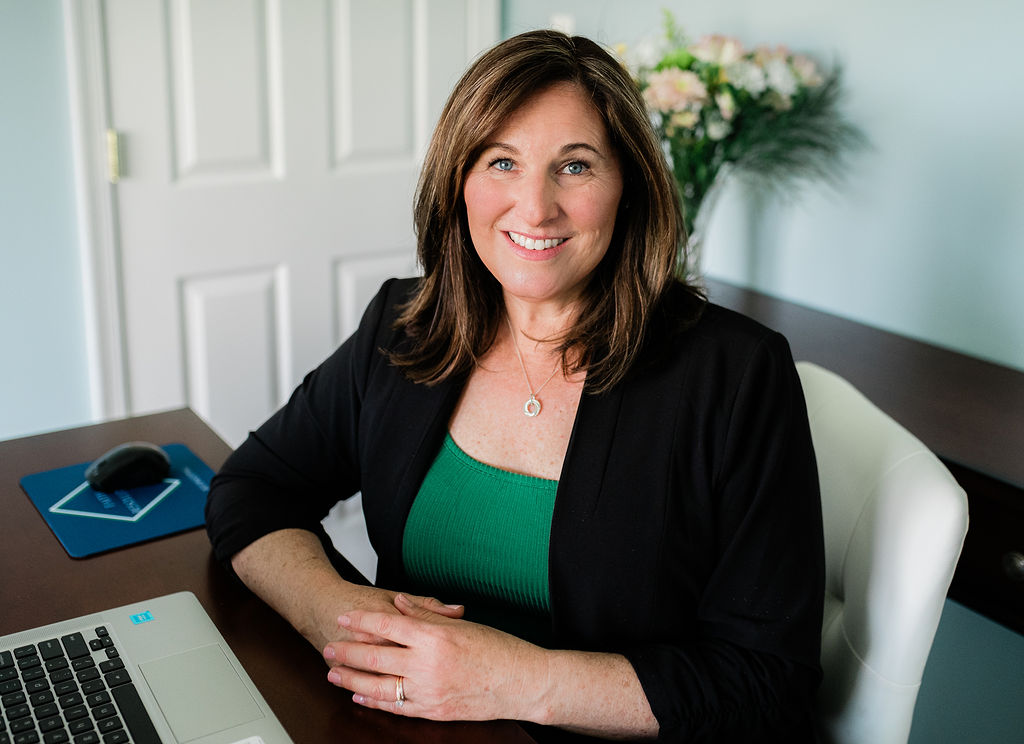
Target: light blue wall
{"x":923,"y":240}
{"x":925,"y":237}
{"x":43,"y":372}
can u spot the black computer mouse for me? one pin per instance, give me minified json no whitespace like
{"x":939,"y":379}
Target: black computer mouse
{"x":128,"y":465}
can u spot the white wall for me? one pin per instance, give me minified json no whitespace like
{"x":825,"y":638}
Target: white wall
{"x":925,"y":237}
{"x":43,"y":368}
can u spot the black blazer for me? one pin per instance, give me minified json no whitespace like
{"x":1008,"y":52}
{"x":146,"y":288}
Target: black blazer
{"x":686,"y":532}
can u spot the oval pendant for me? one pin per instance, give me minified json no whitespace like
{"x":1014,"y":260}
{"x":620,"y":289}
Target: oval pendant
{"x":532,"y":407}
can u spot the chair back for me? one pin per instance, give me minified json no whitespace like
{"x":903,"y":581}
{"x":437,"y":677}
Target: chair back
{"x":894,"y":524}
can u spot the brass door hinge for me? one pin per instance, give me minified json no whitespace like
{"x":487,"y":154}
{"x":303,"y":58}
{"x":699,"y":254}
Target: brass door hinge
{"x":113,"y":156}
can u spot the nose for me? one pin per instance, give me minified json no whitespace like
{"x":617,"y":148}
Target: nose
{"x":536,"y":199}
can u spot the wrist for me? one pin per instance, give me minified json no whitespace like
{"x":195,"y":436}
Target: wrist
{"x":540,"y":688}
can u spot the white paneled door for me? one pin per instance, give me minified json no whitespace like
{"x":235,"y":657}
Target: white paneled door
{"x":268,"y":152}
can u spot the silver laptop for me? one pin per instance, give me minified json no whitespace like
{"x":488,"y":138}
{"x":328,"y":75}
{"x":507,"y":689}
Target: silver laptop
{"x":153,"y":672}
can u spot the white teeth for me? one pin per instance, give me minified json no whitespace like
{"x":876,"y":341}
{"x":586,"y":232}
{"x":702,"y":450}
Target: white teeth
{"x":535,"y":245}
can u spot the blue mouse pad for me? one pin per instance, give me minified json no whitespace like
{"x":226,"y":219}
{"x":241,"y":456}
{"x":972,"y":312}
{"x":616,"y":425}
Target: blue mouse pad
{"x":88,"y":522}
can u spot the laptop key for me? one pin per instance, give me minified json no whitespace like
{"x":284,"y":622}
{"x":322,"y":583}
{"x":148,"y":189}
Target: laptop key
{"x":75,"y":645}
{"x":22,"y":724}
{"x":37,"y":685}
{"x":111,"y":665}
{"x":29,"y":662}
{"x":107,"y":725}
{"x":98,"y":698}
{"x":135,"y":715}
{"x":50,"y":724}
{"x":64,"y":687}
{"x":57,"y":663}
{"x":50,"y":649}
{"x":80,"y":726}
{"x":90,"y":688}
{"x":14,"y":698}
{"x":71,"y":699}
{"x":89,"y":737}
{"x":56,"y":737}
{"x":17,"y":711}
{"x":77,"y":713}
{"x":41,"y":698}
{"x":61,"y":676}
{"x":45,"y":711}
{"x":119,"y":677}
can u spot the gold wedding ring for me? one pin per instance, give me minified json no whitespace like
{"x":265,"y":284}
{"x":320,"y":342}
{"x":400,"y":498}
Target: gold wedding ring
{"x":400,"y":691}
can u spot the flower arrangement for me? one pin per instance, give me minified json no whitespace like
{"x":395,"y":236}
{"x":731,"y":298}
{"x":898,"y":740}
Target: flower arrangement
{"x":718,"y":107}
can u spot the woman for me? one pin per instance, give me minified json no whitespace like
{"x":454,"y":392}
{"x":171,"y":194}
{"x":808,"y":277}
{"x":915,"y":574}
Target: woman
{"x":608,"y":480}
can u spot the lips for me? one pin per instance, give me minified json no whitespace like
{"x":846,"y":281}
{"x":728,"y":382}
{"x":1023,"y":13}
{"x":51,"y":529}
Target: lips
{"x":534,"y":244}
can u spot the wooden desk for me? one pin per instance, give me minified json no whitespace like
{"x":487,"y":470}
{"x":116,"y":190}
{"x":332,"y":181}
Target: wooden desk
{"x":968,"y":411}
{"x":40,"y":584}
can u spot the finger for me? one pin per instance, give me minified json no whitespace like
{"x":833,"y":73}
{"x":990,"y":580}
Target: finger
{"x":368,"y":657}
{"x":402,"y":602}
{"x":359,"y":637}
{"x":384,"y":625}
{"x":370,"y":690}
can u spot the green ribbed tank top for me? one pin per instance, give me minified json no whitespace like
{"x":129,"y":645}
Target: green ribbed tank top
{"x":478,"y":531}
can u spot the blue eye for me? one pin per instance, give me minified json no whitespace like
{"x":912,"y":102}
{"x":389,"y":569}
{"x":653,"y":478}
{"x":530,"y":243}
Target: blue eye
{"x":502,"y":164}
{"x":576,"y":168}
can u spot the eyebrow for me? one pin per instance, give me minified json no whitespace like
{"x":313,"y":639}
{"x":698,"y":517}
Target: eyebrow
{"x":565,"y":149}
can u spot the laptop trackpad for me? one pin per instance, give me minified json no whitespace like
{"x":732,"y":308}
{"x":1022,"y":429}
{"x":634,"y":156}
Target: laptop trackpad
{"x":199,"y":692}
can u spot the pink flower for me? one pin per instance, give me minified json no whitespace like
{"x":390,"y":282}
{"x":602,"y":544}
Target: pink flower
{"x":718,"y":49}
{"x":806,"y":71}
{"x":763,"y":55}
{"x":674,"y":90}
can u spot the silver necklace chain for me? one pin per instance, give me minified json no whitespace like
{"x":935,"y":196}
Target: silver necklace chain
{"x":532,"y":406}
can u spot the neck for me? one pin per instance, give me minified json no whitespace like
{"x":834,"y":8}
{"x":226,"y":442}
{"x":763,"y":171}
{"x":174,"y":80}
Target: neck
{"x":539,"y":326}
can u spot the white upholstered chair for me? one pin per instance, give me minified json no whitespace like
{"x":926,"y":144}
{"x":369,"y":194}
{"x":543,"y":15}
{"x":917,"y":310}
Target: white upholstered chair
{"x":895,"y":521}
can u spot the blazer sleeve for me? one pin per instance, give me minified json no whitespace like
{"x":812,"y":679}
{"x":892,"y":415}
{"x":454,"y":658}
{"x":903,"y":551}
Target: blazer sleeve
{"x":747,"y":669}
{"x":303,"y":459}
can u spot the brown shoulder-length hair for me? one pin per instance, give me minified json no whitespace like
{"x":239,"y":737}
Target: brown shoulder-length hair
{"x":454,"y":315}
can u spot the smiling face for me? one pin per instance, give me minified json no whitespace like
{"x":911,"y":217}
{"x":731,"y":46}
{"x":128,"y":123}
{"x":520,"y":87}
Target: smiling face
{"x":542,"y":197}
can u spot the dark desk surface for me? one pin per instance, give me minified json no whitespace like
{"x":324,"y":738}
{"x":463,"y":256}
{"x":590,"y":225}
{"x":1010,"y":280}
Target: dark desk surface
{"x":968,"y":411}
{"x":40,"y":584}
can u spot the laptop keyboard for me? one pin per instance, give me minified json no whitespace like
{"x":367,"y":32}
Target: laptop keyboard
{"x":74,"y":688}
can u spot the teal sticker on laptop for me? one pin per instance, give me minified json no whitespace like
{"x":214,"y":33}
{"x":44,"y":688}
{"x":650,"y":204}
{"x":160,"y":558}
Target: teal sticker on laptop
{"x":87,"y":521}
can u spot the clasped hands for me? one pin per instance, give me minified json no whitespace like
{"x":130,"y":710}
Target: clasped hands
{"x":447,"y":668}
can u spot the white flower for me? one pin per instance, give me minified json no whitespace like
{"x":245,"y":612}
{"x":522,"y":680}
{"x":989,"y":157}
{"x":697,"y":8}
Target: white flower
{"x":745,"y":75}
{"x":643,"y":55}
{"x":717,"y":127}
{"x":780,"y":77}
{"x":726,"y":104}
